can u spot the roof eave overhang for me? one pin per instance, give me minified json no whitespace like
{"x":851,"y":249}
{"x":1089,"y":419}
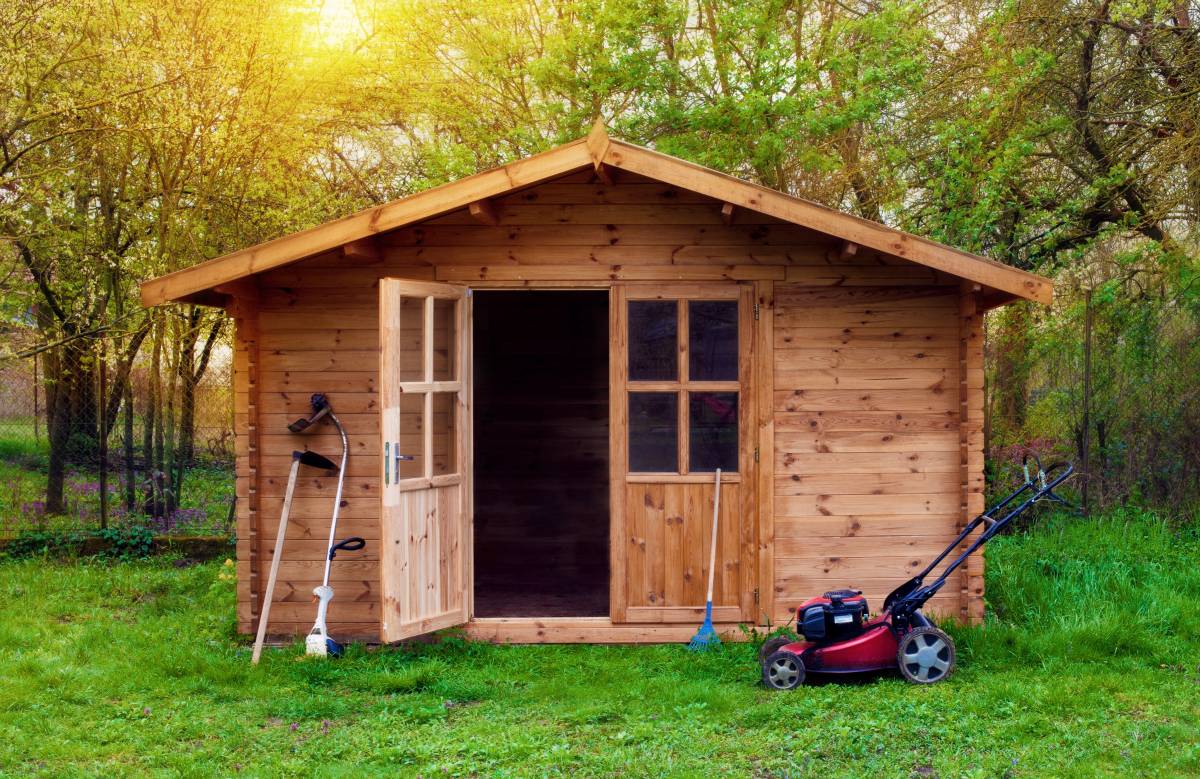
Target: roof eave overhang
{"x":598,"y":151}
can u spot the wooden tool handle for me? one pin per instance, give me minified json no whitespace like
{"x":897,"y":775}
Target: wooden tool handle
{"x":279,"y":537}
{"x":712,"y":555}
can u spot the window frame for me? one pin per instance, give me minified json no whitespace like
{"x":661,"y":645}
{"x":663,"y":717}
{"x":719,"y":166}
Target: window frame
{"x":683,"y":385}
{"x":429,"y":386}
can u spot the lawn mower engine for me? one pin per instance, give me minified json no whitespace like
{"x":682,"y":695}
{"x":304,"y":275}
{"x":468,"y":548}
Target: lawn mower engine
{"x":835,"y":616}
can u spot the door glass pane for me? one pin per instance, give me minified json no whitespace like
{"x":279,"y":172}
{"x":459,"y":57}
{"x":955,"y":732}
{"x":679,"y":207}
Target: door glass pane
{"x":445,"y":433}
{"x":653,"y":432}
{"x":653,"y":349}
{"x":445,"y":340}
{"x":712,"y":340}
{"x":713,"y":431}
{"x":412,"y":437}
{"x":412,"y":339}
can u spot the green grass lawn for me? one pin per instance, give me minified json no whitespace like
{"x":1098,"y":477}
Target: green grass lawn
{"x":1088,"y":667}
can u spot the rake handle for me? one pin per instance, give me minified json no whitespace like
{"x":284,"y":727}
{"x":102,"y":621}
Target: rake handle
{"x":712,"y":553}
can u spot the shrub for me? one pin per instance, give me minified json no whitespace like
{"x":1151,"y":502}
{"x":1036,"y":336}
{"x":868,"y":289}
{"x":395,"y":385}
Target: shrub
{"x":126,"y":543}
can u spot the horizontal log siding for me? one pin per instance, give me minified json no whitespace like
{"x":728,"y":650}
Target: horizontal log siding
{"x":868,"y":470}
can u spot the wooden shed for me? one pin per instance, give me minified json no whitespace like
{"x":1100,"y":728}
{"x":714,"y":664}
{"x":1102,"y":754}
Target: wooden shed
{"x":569,"y":346}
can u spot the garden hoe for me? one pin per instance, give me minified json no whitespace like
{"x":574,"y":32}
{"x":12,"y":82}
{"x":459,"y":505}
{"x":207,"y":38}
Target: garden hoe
{"x":318,"y":641}
{"x":313,"y":460}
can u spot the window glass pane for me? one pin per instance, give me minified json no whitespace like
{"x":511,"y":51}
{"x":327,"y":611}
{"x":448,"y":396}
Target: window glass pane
{"x":412,"y":340}
{"x":653,"y":432}
{"x":653,"y":348}
{"x":444,"y":340}
{"x":445,"y":430}
{"x":713,"y":431}
{"x":712,"y":340}
{"x":412,"y":437}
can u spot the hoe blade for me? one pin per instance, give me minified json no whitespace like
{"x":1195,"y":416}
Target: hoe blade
{"x":314,"y":460}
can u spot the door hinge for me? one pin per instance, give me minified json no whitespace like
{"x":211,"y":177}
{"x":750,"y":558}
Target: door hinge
{"x":756,"y":598}
{"x":756,"y":454}
{"x":757,"y":309}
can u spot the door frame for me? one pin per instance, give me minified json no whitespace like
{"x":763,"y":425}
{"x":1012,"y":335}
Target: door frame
{"x":757,"y":484}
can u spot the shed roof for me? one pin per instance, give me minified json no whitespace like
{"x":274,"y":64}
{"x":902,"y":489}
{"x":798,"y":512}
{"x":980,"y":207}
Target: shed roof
{"x":600,"y":151}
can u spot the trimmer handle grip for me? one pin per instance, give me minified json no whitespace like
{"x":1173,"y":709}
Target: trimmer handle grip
{"x":351,"y":544}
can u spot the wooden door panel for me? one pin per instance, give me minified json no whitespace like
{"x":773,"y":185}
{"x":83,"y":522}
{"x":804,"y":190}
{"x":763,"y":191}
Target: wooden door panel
{"x":667,"y":552}
{"x":426,"y":569}
{"x":424,"y":387}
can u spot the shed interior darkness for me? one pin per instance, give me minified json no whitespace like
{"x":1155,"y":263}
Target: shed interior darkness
{"x":541,"y":453}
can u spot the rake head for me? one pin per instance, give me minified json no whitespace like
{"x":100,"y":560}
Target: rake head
{"x":706,"y":637}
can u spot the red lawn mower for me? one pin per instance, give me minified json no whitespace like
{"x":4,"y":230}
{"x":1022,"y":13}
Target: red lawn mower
{"x":840,"y":639}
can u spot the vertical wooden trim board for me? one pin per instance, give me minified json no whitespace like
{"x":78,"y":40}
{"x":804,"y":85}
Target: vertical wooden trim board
{"x":764,"y":296}
{"x":243,"y":307}
{"x":618,"y":450}
{"x":971,"y":441}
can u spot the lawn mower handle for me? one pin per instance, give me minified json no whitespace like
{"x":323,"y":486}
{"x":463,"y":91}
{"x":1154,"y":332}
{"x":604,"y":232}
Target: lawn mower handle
{"x":903,"y":601}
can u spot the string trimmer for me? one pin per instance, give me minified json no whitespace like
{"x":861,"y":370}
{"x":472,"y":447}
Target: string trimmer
{"x":318,"y":641}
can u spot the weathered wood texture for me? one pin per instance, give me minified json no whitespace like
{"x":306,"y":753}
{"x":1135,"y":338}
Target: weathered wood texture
{"x":874,"y":439}
{"x":873,"y":455}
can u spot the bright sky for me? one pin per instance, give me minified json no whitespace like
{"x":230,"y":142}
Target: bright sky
{"x":337,"y":21}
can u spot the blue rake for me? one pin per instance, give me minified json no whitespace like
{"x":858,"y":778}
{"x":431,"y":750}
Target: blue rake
{"x":706,"y":637}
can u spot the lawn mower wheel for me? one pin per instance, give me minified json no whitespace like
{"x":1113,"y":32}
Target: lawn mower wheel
{"x":783,"y":671}
{"x":925,"y":655}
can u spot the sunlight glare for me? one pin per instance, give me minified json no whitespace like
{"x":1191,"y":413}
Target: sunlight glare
{"x":337,"y":21}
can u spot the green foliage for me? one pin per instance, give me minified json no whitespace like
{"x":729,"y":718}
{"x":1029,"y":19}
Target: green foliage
{"x":126,"y":543}
{"x":56,"y":543}
{"x":1089,"y":666}
{"x":1059,"y":137}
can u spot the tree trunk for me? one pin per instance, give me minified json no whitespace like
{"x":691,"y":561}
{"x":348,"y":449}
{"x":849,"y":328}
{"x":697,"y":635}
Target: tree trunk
{"x":167,"y":440}
{"x":58,"y":425}
{"x":1085,"y":446}
{"x":191,"y":373}
{"x":102,"y":438}
{"x":151,"y":432}
{"x":130,"y":495}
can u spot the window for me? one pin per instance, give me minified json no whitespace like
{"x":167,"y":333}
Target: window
{"x":683,"y":385}
{"x":424,"y":360}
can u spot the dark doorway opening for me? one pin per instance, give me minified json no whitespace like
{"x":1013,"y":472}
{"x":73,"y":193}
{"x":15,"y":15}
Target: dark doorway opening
{"x":541,"y":453}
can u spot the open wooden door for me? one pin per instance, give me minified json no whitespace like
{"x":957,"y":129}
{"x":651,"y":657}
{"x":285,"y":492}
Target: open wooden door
{"x":424,"y":386}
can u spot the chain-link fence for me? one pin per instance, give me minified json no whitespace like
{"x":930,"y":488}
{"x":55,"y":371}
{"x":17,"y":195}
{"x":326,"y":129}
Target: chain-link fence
{"x":91,"y":439}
